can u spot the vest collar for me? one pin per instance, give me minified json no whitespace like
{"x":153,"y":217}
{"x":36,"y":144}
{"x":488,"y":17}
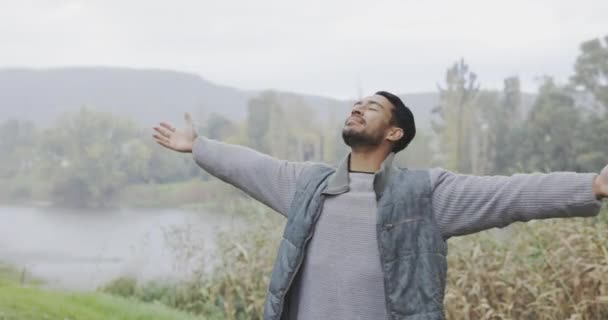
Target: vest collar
{"x":338,"y":181}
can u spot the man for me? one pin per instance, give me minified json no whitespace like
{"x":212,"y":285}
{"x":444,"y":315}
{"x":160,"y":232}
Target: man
{"x":367,"y":240}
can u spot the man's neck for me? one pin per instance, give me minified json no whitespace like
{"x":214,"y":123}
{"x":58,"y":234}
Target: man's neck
{"x":366,"y":161}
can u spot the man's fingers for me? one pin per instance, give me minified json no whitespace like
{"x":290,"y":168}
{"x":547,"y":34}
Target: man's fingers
{"x":164,"y":144}
{"x":161,"y":138}
{"x":164,"y":132}
{"x":167,"y":126}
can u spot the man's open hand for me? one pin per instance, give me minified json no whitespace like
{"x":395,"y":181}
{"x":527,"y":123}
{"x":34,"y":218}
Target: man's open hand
{"x":600,"y":185}
{"x":180,"y":140}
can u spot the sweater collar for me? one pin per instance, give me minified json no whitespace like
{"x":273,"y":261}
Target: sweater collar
{"x":338,"y":181}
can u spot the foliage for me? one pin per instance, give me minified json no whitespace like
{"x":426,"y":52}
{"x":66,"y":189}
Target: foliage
{"x":540,"y":270}
{"x":551,"y":269}
{"x":419,"y":153}
{"x":260,"y":110}
{"x":85,"y":160}
{"x":85,"y":155}
{"x":551,"y":132}
{"x":482,"y":131}
{"x":591,"y":69}
{"x":18,"y":302}
{"x":236,"y":287}
{"x":592,"y":135}
{"x":506,"y":118}
{"x":283,"y":126}
{"x":456,"y":116}
{"x":16,"y":145}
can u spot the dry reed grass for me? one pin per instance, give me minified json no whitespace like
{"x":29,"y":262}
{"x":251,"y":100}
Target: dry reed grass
{"x":543,"y":270}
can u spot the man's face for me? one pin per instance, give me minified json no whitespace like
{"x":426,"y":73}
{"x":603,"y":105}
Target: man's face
{"x":368,"y":122}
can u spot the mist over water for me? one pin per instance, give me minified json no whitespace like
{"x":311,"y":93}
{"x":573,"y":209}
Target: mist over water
{"x":75,"y":250}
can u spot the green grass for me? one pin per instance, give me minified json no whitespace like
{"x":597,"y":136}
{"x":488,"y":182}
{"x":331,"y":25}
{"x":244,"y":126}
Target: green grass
{"x":28,"y":302}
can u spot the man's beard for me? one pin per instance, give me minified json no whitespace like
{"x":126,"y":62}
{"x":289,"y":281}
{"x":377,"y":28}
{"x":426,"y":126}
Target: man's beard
{"x":355,"y":139}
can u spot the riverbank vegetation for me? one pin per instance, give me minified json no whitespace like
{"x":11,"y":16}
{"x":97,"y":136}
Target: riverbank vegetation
{"x":27,"y":301}
{"x":546,"y":270}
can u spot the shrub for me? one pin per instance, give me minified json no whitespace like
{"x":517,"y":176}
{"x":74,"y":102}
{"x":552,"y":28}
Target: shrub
{"x":554,"y":269}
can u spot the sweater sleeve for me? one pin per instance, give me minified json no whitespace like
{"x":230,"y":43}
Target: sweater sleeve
{"x":266,"y":179}
{"x":464,"y":204}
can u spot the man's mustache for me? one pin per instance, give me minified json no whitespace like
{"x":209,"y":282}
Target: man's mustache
{"x":357,"y":117}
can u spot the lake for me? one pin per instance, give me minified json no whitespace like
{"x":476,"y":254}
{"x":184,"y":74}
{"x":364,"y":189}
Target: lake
{"x":80,"y":250}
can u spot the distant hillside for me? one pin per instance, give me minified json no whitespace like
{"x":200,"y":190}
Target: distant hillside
{"x":146,"y":96}
{"x":149,"y":96}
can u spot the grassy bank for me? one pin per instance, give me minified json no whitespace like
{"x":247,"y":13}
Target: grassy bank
{"x":28,"y":302}
{"x":236,"y":288}
{"x":545,"y":270}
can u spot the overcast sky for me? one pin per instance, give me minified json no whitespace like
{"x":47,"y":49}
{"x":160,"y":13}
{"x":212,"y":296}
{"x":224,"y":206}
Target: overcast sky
{"x":334,"y":48}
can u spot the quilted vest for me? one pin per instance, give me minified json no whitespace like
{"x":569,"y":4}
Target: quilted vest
{"x":412,"y":249}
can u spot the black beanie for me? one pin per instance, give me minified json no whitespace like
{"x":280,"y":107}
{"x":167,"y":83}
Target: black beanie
{"x":405,"y":120}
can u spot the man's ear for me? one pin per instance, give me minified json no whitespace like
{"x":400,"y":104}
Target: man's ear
{"x":394,"y":134}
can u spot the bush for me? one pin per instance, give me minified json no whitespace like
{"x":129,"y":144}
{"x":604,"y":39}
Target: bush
{"x":123,"y":287}
{"x":554,"y":269}
{"x":236,"y":287}
{"x":541,"y":270}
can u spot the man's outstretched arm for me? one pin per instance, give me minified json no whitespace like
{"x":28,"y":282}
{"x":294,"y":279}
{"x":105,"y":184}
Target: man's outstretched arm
{"x":267,"y":179}
{"x":464,"y":204}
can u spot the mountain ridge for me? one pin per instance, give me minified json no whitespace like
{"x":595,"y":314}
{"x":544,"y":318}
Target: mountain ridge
{"x":151,"y":95}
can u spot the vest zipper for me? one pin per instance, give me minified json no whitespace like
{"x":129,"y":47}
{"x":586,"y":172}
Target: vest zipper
{"x":301,"y":258}
{"x":379,"y":230}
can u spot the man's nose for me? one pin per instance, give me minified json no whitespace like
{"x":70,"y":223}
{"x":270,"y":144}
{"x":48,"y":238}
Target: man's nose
{"x":357,"y":110}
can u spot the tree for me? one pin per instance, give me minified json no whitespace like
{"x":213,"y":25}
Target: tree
{"x":456,"y":116}
{"x":16,"y":147}
{"x":258,"y":120}
{"x":592,"y":153}
{"x":284,"y":126}
{"x":419,"y":153}
{"x":591,"y":69}
{"x":86,"y":154}
{"x":218,"y":127}
{"x":549,"y":138}
{"x":484,"y":133}
{"x":591,"y":73}
{"x":506,"y":118}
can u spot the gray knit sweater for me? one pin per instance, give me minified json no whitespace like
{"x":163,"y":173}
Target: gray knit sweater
{"x":345,"y":232}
